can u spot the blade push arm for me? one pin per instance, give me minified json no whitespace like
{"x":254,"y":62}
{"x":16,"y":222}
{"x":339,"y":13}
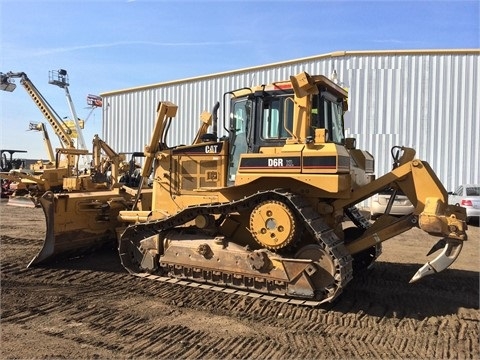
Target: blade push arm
{"x":165,"y":112}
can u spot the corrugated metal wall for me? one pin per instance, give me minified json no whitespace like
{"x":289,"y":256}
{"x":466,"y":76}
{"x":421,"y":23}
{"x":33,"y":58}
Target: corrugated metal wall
{"x":427,"y":100}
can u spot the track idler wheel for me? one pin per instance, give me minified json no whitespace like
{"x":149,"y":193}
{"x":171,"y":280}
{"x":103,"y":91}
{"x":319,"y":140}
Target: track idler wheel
{"x":140,"y":255}
{"x":272,"y":224}
{"x":324,"y":277}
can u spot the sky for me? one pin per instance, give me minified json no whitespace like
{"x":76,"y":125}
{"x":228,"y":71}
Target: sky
{"x":118,"y":44}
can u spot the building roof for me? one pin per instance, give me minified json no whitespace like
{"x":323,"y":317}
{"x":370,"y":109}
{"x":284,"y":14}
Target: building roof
{"x":310,"y":58}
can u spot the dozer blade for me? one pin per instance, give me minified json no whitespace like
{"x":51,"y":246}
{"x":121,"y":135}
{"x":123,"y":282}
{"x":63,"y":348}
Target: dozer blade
{"x":21,"y":201}
{"x":446,"y":258}
{"x":78,"y":223}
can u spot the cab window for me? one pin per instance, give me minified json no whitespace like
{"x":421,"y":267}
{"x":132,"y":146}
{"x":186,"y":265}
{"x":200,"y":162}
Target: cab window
{"x":277,"y":113}
{"x":239,"y":122}
{"x":327,"y":113}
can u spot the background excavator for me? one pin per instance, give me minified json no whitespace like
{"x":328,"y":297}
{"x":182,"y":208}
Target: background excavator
{"x":268,"y":209}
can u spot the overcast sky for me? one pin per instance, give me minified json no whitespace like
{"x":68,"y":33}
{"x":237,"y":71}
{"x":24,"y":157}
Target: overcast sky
{"x":112,"y":45}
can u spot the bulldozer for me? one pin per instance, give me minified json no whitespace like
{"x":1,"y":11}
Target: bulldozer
{"x":269,"y":209}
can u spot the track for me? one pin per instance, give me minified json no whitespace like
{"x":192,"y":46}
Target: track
{"x":318,"y":229}
{"x":90,"y":307}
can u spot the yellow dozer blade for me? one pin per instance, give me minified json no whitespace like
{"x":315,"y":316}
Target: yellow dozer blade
{"x":77,"y":223}
{"x":21,"y":201}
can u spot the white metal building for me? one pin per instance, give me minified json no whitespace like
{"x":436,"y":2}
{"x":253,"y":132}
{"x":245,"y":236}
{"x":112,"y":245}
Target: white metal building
{"x":425,"y":99}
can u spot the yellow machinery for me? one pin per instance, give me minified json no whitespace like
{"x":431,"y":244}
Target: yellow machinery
{"x":44,"y":177}
{"x":7,"y":164}
{"x":40,"y":165}
{"x":62,"y":173}
{"x":269,"y":208}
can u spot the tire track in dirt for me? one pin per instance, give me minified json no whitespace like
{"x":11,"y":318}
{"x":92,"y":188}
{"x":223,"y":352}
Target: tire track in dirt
{"x":106,"y":321}
{"x":93,"y":302}
{"x":295,"y":330}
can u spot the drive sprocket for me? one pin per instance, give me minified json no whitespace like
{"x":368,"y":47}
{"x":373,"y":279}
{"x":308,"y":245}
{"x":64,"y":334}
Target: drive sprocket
{"x":272,"y":224}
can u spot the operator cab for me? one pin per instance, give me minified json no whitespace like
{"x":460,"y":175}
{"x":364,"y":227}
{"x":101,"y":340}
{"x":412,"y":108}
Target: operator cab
{"x":264,"y":119}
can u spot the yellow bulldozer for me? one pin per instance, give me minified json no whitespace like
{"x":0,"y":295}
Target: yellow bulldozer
{"x":268,"y":209}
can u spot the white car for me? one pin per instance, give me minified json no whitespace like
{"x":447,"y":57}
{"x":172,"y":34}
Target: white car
{"x":401,"y":205}
{"x":467,"y":196}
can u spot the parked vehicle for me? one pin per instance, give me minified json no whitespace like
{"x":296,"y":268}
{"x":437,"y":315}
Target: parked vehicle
{"x":468,"y":196}
{"x":401,"y":204}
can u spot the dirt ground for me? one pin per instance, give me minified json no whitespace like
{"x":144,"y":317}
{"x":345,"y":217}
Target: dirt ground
{"x":89,"y":307}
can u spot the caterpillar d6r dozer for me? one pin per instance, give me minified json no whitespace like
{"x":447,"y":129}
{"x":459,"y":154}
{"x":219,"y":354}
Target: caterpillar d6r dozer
{"x":264,"y":210}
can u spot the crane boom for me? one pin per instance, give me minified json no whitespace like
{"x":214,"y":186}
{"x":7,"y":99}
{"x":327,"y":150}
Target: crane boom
{"x":46,"y":139}
{"x":60,"y":129}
